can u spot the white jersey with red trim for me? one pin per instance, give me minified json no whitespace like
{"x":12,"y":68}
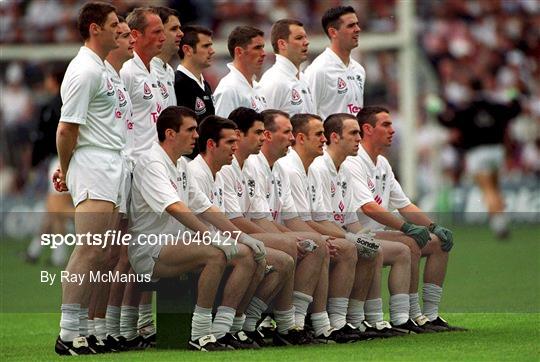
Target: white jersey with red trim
{"x":165,"y":76}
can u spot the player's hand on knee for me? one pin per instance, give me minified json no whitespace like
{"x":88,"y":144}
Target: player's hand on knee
{"x":230,"y":249}
{"x":420,"y":234}
{"x":366,"y":245}
{"x":256,"y":245}
{"x":444,"y":234}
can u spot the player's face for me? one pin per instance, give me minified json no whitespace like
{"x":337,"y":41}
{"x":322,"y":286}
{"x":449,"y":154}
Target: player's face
{"x":173,"y":35}
{"x":349,"y":31}
{"x":315,"y":138}
{"x":350,"y":137}
{"x":125,"y":42}
{"x":283,"y":137}
{"x":108,"y":33}
{"x":151,"y":41}
{"x":204,"y":52}
{"x":254,"y":138}
{"x":187,"y":136}
{"x":297,"y":45}
{"x":253,"y":55}
{"x":227,"y":146}
{"x":383,"y":131}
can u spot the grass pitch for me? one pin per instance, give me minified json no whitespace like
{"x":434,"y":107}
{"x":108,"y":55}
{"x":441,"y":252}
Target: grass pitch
{"x":492,"y":287}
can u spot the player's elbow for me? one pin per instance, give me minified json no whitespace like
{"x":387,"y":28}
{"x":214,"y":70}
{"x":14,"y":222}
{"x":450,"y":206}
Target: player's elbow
{"x":67,"y":130}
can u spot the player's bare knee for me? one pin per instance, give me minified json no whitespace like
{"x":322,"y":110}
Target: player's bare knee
{"x":216,"y":258}
{"x":290,"y":247}
{"x":403,"y":255}
{"x":415,"y":250}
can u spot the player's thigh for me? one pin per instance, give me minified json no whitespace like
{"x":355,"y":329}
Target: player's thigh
{"x":281,"y":242}
{"x":182,"y":258}
{"x":398,"y":236}
{"x":345,"y":251}
{"x":394,"y":252}
{"x":280,"y":260}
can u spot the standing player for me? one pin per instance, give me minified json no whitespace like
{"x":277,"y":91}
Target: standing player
{"x":89,"y":140}
{"x":376,"y":192}
{"x":192,"y":90}
{"x":160,"y":63}
{"x":238,"y":88}
{"x":283,"y":85}
{"x":335,"y":79}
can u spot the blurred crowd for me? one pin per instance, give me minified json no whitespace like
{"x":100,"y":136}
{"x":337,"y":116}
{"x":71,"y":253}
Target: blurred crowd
{"x":494,"y":41}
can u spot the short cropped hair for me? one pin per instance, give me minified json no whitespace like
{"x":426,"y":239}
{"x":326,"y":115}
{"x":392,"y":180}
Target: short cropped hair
{"x":241,"y":36}
{"x":191,"y":37}
{"x":136,"y":19}
{"x":93,"y":13}
{"x":269,"y":118}
{"x":210,"y":129}
{"x":281,"y":30}
{"x":368,"y":115}
{"x":300,"y":122}
{"x":245,"y":118}
{"x":334,"y":124}
{"x":172,"y":117}
{"x":164,"y":13}
{"x":331,"y":18}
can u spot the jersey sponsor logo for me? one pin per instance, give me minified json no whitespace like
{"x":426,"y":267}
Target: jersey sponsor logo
{"x":129,"y":125}
{"x":339,"y":218}
{"x":332,"y":189}
{"x":341,"y":206}
{"x":121,"y":98}
{"x":370,"y":185}
{"x":110,"y":88}
{"x":154,"y":115}
{"x":353,"y":108}
{"x":253,"y":104}
{"x":200,"y":106}
{"x":296,"y":99}
{"x":117,"y":114}
{"x":163,"y":89}
{"x":239,"y":189}
{"x":341,"y":86}
{"x":147,"y":92}
{"x":378,"y":199}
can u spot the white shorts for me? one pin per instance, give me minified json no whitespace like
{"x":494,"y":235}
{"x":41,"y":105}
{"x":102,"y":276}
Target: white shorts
{"x":96,"y":174}
{"x":125,"y":186}
{"x":143,"y":258}
{"x":484,"y":158}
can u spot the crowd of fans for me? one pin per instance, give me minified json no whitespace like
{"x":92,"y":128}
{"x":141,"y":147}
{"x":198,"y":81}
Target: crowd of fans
{"x":494,"y":41}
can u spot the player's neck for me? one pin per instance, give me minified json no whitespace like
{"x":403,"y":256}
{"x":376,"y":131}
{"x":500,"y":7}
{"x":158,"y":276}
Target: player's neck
{"x":165,"y":57}
{"x":304,"y":157}
{"x":267,"y":153}
{"x":241,"y":156}
{"x":343,"y":54}
{"x":145,"y":57}
{"x":116,"y":63}
{"x":170,"y":151}
{"x":245,"y":72}
{"x":94,"y":46}
{"x":336,"y":156}
{"x":196,"y":71}
{"x":372,"y":150}
{"x":212,"y":165}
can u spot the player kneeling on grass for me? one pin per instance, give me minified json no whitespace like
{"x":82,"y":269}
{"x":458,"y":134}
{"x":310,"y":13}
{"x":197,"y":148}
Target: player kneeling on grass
{"x":164,"y":201}
{"x":375,"y":191}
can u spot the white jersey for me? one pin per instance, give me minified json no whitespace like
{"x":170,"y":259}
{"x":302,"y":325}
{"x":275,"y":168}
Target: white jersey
{"x":301,"y":194}
{"x":371,"y":182}
{"x":331,"y":192}
{"x":157,"y":184}
{"x":275,"y":186}
{"x":204,"y":180}
{"x":234,"y":91}
{"x":147,"y":103}
{"x":284,"y":91}
{"x":165,"y":77}
{"x":243,"y":196}
{"x":89,"y":100}
{"x":336,"y":87}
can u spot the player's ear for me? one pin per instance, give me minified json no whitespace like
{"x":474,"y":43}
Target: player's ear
{"x":238,"y":51}
{"x":187,"y":49}
{"x":332,"y":32}
{"x":94,"y":29}
{"x":334,"y":137}
{"x":210,"y":144}
{"x":282,"y":44}
{"x":268,"y":135}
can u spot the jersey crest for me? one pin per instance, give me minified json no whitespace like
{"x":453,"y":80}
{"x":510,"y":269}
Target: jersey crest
{"x":163,"y":89}
{"x":332,"y":189}
{"x":121,"y":98}
{"x":251,"y":187}
{"x":147,"y":92}
{"x":200,"y":106}
{"x":110,"y":88}
{"x":239,"y":189}
{"x":295,"y":97}
{"x":341,"y":86}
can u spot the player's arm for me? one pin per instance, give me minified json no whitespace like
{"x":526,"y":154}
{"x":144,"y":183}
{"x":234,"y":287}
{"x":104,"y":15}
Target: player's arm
{"x":267,"y":225}
{"x":297,"y":224}
{"x":185,"y":216}
{"x":326,"y":227}
{"x":66,"y":140}
{"x":412,"y":213}
{"x":381,"y":215}
{"x":247,"y":226}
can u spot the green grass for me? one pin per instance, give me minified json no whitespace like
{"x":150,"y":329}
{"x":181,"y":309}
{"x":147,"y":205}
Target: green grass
{"x":492,"y":287}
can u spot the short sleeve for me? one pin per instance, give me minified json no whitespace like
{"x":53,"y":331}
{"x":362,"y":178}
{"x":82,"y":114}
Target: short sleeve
{"x":155,"y":187}
{"x":77,"y":90}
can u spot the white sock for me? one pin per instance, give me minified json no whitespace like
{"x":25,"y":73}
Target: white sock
{"x":337,"y":311}
{"x":223,"y":321}
{"x":34,"y":249}
{"x":253,"y":313}
{"x":112,"y":320}
{"x":83,"y":322}
{"x":284,"y":320}
{"x":301,"y":303}
{"x":373,"y":310}
{"x":355,"y":312}
{"x":59,"y":255}
{"x":91,"y":327}
{"x":128,"y":321}
{"x":432,"y":294}
{"x":399,"y":309}
{"x":145,"y":316}
{"x":100,"y":327}
{"x":69,"y":322}
{"x":414,"y":310}
{"x":320,"y":322}
{"x":238,"y":323}
{"x":201,"y":323}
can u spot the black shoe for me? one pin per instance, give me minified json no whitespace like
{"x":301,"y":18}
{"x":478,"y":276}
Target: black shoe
{"x":369,"y":332}
{"x":424,"y":323}
{"x":246,"y":342}
{"x":294,"y":337}
{"x":355,"y":332}
{"x":336,"y":336}
{"x":135,"y":344}
{"x":79,"y":346}
{"x":97,"y":345}
{"x":410,"y":327}
{"x":206,"y":343}
{"x":385,"y":330}
{"x":150,"y":339}
{"x":240,"y":342}
{"x":258,"y":338}
{"x":114,"y":344}
{"x":442,"y":323}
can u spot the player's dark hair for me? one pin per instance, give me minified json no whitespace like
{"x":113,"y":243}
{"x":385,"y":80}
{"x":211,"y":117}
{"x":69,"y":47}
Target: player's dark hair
{"x":334,"y":124}
{"x":164,"y":13}
{"x":137,"y":20}
{"x":241,"y":36}
{"x":300,"y":122}
{"x":368,"y":115}
{"x":245,"y":118}
{"x":331,"y":18}
{"x":172,"y":117}
{"x":281,"y":30}
{"x":93,"y":13}
{"x":269,"y":118}
{"x":121,"y":19}
{"x":191,"y":37}
{"x":210,"y":129}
